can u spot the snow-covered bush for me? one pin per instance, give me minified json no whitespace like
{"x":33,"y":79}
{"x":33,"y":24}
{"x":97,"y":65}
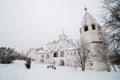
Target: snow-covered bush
{"x":7,"y":55}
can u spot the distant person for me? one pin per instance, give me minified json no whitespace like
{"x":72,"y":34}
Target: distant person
{"x":28,"y":63}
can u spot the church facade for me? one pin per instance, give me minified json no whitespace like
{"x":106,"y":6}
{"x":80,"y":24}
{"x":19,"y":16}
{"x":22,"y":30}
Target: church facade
{"x":60,"y":52}
{"x":63,"y":51}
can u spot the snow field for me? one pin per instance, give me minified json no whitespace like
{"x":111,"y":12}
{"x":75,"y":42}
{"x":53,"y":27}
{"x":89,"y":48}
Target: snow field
{"x":18,"y":71}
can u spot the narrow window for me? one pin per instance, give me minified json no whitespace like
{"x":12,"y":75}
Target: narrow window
{"x":42,"y":56}
{"x":53,"y":62}
{"x":42,"y":60}
{"x":93,"y":26}
{"x":48,"y":56}
{"x":86,"y":28}
{"x":62,"y":54}
{"x":91,"y":64}
{"x":74,"y":53}
{"x":80,"y":31}
{"x":78,"y":52}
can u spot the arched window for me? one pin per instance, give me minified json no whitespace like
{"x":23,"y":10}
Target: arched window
{"x":62,"y":63}
{"x":47,"y":56}
{"x":55,"y":54}
{"x":68,"y":53}
{"x":74,"y":53}
{"x":86,"y":28}
{"x":62,"y":54}
{"x":42,"y":61}
{"x":91,"y":64}
{"x":93,"y":26}
{"x":42,"y":56}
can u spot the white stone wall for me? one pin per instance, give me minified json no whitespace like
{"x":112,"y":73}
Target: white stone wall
{"x":68,"y":58}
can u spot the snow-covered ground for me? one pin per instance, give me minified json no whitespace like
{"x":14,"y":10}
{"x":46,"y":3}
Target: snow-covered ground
{"x":18,"y":71}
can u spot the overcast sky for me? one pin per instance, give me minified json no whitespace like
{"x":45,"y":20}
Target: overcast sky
{"x":28,"y":24}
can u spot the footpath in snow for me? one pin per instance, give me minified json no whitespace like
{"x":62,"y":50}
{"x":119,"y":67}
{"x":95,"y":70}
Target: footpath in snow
{"x":18,"y":71}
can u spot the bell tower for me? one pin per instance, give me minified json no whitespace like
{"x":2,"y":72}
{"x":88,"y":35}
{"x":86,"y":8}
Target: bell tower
{"x":91,"y":34}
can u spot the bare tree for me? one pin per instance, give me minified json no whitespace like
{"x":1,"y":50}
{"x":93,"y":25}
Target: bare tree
{"x":81,"y":57}
{"x":7,"y":55}
{"x":111,"y":19}
{"x":29,"y":51}
{"x":115,"y":60}
{"x":102,"y":51}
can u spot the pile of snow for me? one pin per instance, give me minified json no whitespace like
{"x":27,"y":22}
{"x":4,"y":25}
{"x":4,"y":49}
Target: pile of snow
{"x":18,"y":71}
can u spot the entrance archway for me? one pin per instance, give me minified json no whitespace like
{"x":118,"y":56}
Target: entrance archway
{"x":62,"y":63}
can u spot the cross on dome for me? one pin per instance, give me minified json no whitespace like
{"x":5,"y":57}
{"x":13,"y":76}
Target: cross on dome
{"x":63,"y":32}
{"x":63,"y":35}
{"x":85,"y":8}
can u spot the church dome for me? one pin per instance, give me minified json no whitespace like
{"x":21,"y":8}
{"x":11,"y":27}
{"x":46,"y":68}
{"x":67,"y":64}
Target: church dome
{"x":63,"y":35}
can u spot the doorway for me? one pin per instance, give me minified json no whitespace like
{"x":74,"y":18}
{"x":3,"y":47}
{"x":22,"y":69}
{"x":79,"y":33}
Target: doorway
{"x":62,"y":63}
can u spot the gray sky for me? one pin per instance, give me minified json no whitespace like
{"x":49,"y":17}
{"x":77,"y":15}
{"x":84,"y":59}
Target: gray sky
{"x":27,"y":24}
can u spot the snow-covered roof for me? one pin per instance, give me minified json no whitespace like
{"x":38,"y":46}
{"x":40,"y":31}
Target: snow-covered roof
{"x":88,"y":18}
{"x":41,"y":51}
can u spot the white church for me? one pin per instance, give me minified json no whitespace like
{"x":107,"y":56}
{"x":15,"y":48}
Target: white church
{"x":63,"y":51}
